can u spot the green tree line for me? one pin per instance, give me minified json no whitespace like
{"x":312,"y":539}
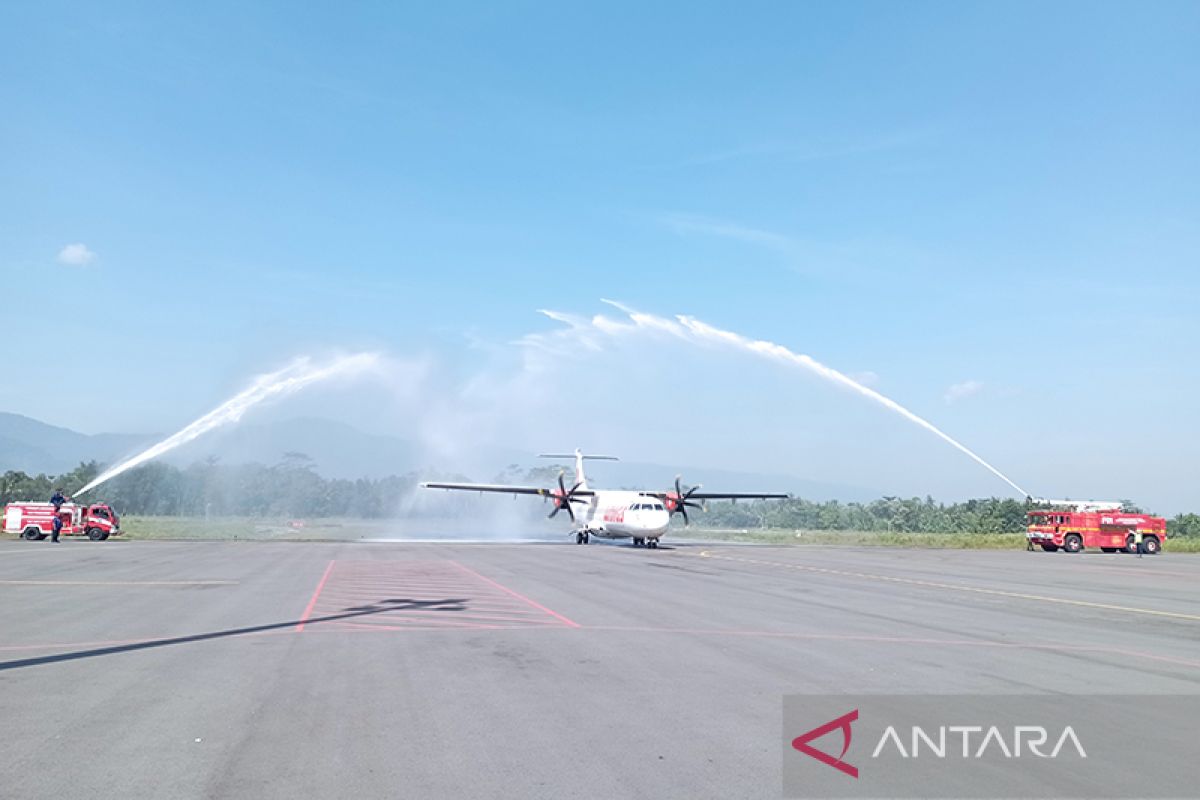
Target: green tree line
{"x":293,"y":488}
{"x":895,"y":514}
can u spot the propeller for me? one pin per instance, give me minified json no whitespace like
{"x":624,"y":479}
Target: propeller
{"x":678,"y":501}
{"x":563,"y":498}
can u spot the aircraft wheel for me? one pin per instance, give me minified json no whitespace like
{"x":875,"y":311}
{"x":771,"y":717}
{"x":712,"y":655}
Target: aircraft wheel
{"x":579,"y":538}
{"x":586,"y":537}
{"x":637,"y":542}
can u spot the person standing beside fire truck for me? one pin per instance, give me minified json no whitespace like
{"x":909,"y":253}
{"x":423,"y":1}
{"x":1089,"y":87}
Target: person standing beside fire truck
{"x":1137,"y":541}
{"x":57,"y":500}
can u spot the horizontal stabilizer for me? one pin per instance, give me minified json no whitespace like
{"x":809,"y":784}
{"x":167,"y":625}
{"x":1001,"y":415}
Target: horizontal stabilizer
{"x":572,"y":455}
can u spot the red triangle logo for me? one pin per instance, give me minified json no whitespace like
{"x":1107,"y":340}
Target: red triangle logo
{"x":801,"y":743}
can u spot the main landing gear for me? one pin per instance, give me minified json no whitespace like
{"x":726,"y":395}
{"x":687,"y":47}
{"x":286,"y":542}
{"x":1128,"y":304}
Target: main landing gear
{"x":648,"y":543}
{"x":582,"y":537}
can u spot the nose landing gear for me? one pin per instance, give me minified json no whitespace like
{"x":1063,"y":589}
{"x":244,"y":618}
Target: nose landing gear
{"x":582,"y":537}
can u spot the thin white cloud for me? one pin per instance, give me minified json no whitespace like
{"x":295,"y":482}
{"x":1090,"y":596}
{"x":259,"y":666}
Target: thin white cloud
{"x":857,"y":262}
{"x":690,"y":223}
{"x":76,"y":255}
{"x":961,"y":391}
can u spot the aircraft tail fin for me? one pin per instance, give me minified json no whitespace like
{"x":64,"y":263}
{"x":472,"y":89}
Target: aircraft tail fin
{"x":579,"y":456}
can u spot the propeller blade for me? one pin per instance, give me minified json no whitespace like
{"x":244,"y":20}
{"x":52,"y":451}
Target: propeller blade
{"x":683,"y":511}
{"x":570,"y":512}
{"x":555,"y":511}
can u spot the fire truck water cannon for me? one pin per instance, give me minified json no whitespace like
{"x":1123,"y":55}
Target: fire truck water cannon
{"x":1072,"y":525}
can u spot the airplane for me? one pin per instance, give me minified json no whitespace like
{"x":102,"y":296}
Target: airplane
{"x":642,"y":516}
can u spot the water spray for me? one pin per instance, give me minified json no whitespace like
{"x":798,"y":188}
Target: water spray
{"x":693,"y":330}
{"x":292,"y":378}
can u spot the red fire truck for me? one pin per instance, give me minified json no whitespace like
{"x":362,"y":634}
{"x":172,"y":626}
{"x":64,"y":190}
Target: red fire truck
{"x":1072,"y":525}
{"x":36,"y":520}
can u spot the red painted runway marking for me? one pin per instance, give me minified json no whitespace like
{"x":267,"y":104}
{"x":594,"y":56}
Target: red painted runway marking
{"x":414,"y":595}
{"x":464,"y":618}
{"x":417,"y":626}
{"x":313,"y":602}
{"x":517,"y":595}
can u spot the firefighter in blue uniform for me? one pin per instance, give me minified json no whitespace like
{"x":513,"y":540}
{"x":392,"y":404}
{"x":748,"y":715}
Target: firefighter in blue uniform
{"x":57,"y":500}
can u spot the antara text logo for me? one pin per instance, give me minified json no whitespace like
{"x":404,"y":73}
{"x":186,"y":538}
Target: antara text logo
{"x":944,"y":742}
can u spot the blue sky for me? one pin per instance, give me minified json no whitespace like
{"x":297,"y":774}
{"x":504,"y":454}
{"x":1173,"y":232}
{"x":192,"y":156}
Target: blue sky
{"x":999,"y":197}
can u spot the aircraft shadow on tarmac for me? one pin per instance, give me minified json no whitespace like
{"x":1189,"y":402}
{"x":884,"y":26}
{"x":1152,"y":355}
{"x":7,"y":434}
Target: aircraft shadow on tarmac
{"x":407,"y":605}
{"x":380,"y":607}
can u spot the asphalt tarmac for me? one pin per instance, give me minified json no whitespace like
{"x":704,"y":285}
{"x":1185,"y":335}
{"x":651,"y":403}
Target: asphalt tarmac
{"x":285,"y":670}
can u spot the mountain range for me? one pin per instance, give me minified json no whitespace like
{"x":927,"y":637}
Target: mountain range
{"x":338,"y":450}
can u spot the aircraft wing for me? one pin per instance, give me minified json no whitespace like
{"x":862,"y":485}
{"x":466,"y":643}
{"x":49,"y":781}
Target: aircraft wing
{"x":501,"y":488}
{"x":724,"y":495}
{"x":739,"y":496}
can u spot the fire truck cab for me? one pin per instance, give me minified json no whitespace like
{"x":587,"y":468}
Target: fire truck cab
{"x":36,"y":520}
{"x":1073,"y":525}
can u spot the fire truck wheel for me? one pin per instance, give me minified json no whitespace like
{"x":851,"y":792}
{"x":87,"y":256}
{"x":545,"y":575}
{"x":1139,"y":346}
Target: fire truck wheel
{"x":1073,"y":543}
{"x":1150,"y":545}
{"x":32,"y":534}
{"x":1050,"y":548}
{"x":95,"y":534}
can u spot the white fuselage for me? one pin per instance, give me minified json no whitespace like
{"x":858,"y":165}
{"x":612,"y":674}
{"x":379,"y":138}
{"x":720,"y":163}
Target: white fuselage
{"x":623,"y":515}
